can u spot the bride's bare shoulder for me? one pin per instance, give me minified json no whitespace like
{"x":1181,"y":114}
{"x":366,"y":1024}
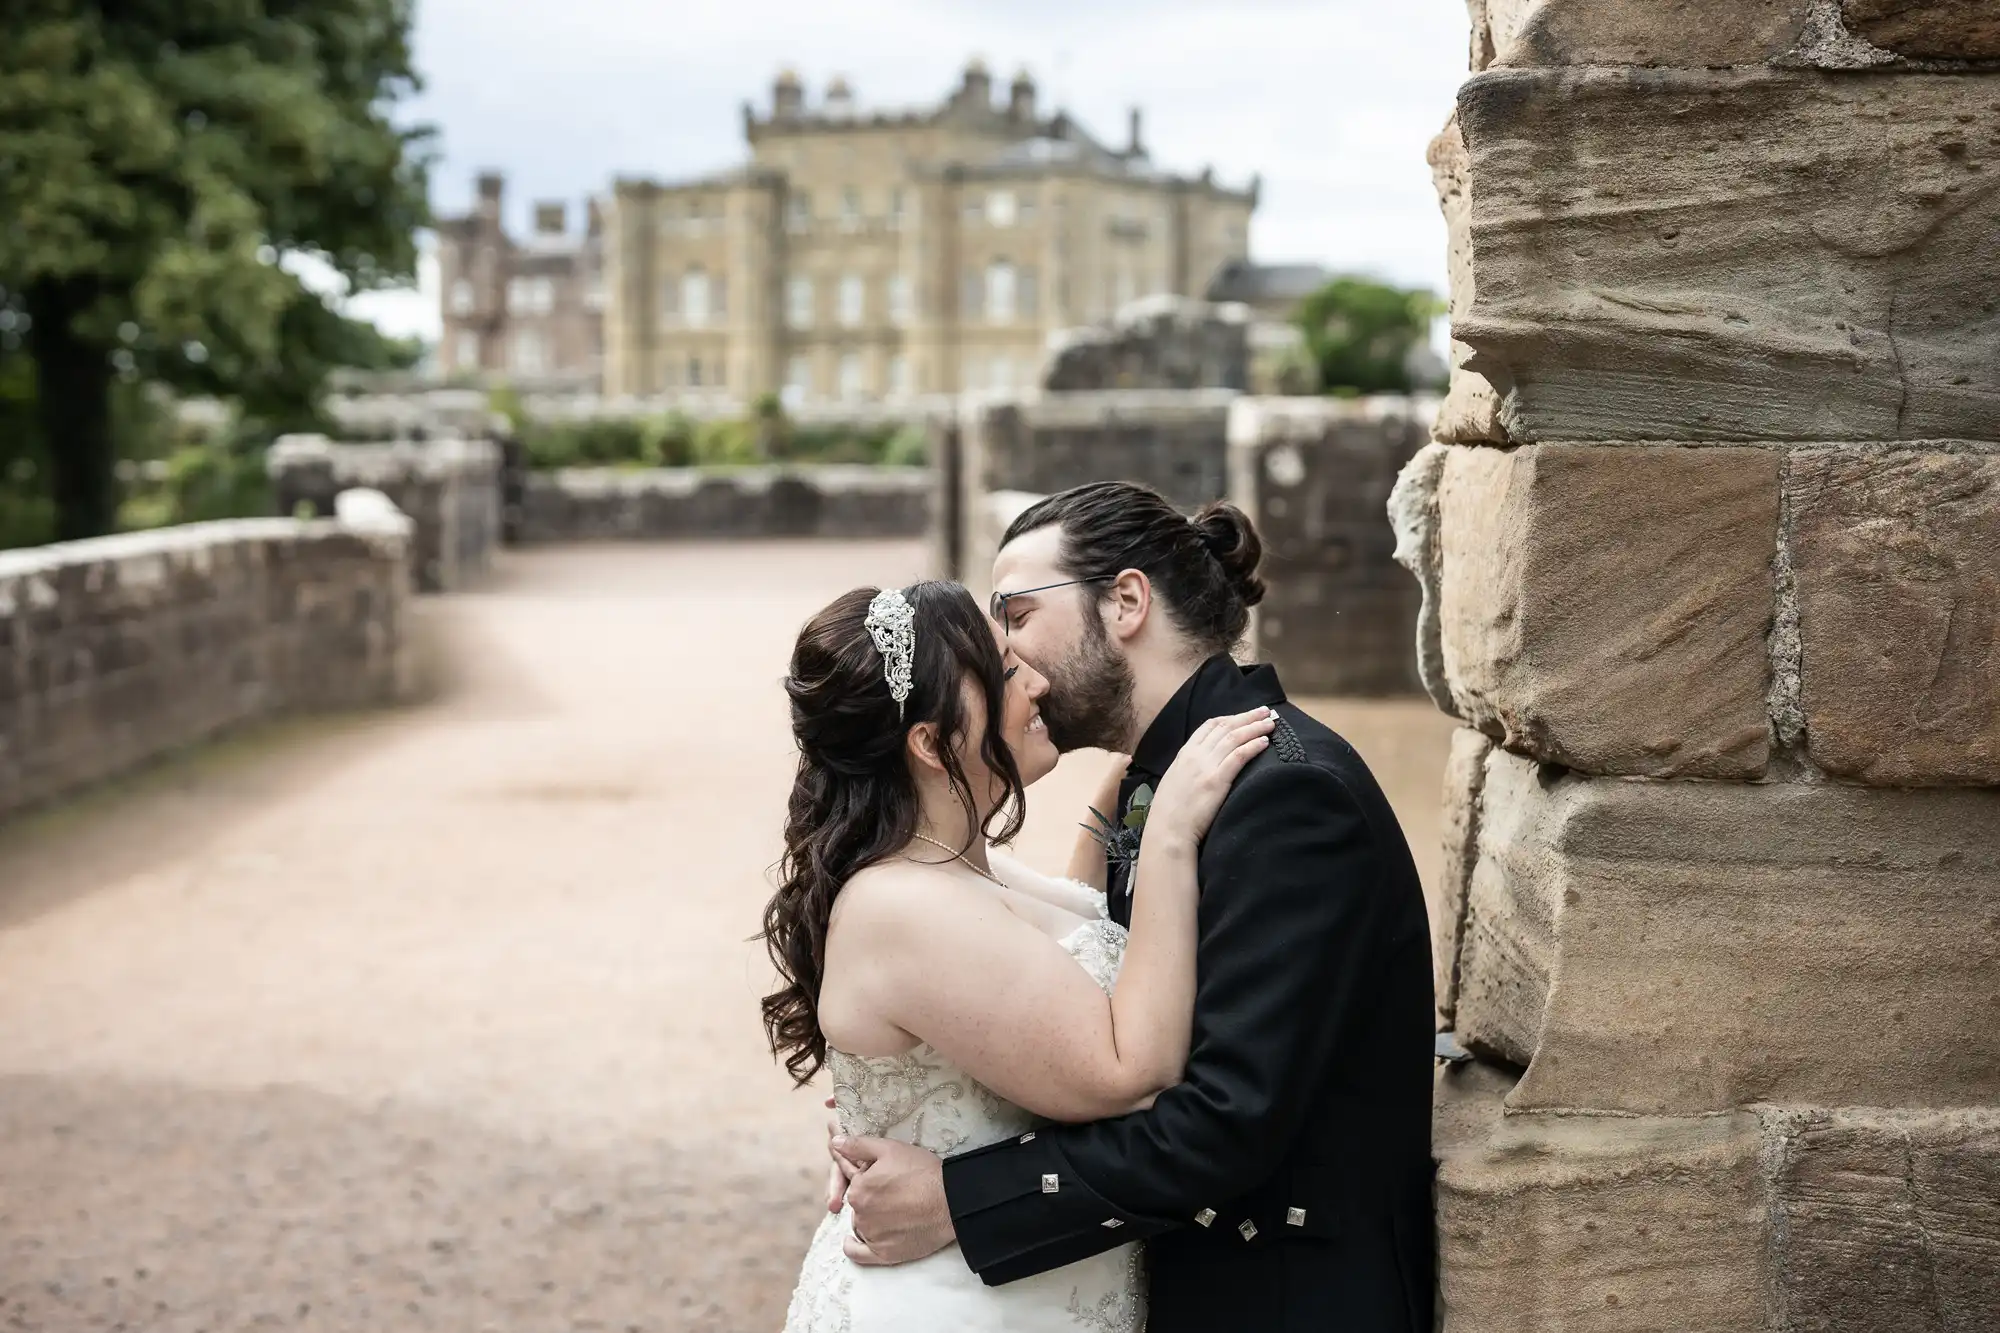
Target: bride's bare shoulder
{"x":896,"y":896}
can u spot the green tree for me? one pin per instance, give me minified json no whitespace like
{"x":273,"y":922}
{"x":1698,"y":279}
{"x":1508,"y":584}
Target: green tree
{"x":1361,"y":334}
{"x":158,"y":159}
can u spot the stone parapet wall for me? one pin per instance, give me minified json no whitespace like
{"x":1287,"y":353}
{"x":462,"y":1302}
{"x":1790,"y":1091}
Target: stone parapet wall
{"x":117,"y":650}
{"x":665,"y":504}
{"x":1710,"y":553}
{"x":450,"y":487}
{"x":1315,"y":474}
{"x":1158,"y":342}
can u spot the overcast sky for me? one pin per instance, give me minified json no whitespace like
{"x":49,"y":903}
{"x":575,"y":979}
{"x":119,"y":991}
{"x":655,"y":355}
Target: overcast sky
{"x":1331,"y":101}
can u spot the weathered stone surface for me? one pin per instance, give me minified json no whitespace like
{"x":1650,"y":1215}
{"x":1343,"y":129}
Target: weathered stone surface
{"x":1897,"y":560}
{"x":117,"y":650}
{"x":1464,"y":792}
{"x":450,"y":487}
{"x":1680,"y":947}
{"x":1413,"y":514}
{"x":1703,"y":255}
{"x":1794,"y":1219}
{"x":1471,"y":410}
{"x":1606,"y":608}
{"x":1692,"y":33}
{"x":665,"y":504}
{"x":1929,"y":29}
{"x":1338,"y":616}
{"x":1160,"y":342}
{"x":1885,"y":1220}
{"x":1595,"y":1224}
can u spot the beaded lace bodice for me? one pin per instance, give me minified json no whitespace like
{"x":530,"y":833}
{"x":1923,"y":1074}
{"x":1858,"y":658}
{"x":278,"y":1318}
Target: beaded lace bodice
{"x":921,"y":1098}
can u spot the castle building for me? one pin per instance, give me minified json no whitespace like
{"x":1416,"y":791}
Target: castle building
{"x":865,"y":255}
{"x":529,"y":310}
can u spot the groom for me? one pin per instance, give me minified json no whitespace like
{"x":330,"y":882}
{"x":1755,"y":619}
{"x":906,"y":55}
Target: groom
{"x":1285,"y":1184}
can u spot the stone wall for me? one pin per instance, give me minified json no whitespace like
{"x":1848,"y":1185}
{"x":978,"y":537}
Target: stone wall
{"x":450,"y":487}
{"x":663,"y":504}
{"x":1160,"y":342}
{"x":1177,"y":442}
{"x":1722,"y":617}
{"x":1338,"y":616}
{"x":117,"y":650}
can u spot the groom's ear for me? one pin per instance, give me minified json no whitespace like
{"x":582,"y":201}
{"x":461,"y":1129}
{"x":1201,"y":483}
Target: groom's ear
{"x":1129,"y":605}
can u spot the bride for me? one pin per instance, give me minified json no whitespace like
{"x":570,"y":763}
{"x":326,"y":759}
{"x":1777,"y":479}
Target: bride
{"x":956,"y":997}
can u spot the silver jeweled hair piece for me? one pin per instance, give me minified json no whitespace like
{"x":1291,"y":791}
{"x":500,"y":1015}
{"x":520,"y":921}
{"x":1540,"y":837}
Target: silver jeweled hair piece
{"x":892,"y":623}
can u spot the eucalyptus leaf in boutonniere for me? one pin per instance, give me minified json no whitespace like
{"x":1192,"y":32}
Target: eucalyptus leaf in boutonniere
{"x":1120,"y":839}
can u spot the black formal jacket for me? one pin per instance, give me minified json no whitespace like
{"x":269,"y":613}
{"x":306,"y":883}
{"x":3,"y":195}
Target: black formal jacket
{"x":1285,"y":1184}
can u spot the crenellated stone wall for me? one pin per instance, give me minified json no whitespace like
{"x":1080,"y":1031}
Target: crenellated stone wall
{"x":1315,"y":474}
{"x":450,"y":487}
{"x":1709,"y":548}
{"x":664,"y":504}
{"x":117,"y":650}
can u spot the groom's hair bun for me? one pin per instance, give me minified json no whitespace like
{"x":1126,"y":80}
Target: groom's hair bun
{"x":1232,"y":539}
{"x":1203,"y":569}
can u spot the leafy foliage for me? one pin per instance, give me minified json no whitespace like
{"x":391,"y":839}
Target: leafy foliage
{"x":1360,"y":334}
{"x":159,"y":159}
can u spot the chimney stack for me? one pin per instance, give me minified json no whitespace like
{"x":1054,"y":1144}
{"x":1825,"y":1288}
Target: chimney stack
{"x":977,"y":89}
{"x":1137,"y":146}
{"x":1021,"y":102}
{"x":491,"y":184}
{"x":550,"y":218}
{"x":788,"y":97}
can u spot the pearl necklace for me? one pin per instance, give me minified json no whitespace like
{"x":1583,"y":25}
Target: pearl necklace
{"x":961,"y":856}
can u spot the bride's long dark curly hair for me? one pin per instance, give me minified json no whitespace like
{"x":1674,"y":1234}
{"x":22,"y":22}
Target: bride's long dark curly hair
{"x":854,"y":802}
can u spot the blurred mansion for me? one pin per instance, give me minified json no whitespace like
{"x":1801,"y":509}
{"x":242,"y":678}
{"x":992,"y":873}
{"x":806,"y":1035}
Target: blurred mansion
{"x":858,"y":255}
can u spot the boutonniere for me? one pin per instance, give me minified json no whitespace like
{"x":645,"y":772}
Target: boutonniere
{"x":1120,"y":839}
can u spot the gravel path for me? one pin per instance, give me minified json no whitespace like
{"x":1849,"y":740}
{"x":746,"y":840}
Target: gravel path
{"x":446,"y":1019}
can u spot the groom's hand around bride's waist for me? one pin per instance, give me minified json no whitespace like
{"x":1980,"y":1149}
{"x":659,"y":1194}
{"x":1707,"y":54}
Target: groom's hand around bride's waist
{"x":897,"y":1196}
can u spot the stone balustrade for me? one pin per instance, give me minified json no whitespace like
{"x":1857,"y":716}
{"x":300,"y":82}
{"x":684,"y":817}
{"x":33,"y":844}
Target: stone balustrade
{"x":665,"y":504}
{"x":451,"y":488}
{"x":118,"y":650}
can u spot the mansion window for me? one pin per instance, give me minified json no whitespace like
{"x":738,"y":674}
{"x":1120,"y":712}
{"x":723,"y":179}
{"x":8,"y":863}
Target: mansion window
{"x":899,"y":376}
{"x":1000,"y":211}
{"x":851,"y":300}
{"x":798,"y":212}
{"x":694,"y":372}
{"x":799,"y":302}
{"x":850,"y":376}
{"x":530,"y":296}
{"x":695,"y":308}
{"x":527,"y":358}
{"x":850,"y":209}
{"x":465,"y":356}
{"x":798,"y":378}
{"x":1001,"y":292}
{"x":899,"y":299}
{"x":461,"y":297}
{"x":896,"y":207}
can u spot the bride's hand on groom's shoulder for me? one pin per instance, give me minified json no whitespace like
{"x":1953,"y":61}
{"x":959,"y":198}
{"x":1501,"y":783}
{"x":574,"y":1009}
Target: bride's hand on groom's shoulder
{"x":1199,"y":779}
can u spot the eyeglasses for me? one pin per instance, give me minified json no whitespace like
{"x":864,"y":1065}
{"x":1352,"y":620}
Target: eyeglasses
{"x":997,"y":608}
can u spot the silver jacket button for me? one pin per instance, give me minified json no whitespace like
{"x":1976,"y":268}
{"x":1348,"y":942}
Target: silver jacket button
{"x":1028,"y":1137}
{"x":1204,"y":1217}
{"x":1295,"y":1217}
{"x":1113,"y":1223}
{"x":1248,"y":1229}
{"x":1051,"y":1183}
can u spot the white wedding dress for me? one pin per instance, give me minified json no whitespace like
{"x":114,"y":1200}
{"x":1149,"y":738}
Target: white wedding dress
{"x":919,"y":1098}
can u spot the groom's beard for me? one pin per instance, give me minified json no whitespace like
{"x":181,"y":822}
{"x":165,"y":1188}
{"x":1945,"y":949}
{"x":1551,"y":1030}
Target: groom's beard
{"x":1089,"y":702}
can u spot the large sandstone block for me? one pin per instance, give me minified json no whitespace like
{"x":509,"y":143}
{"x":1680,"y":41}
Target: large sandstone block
{"x":1928,"y":29}
{"x":1595,"y":1224}
{"x":1791,"y":1220}
{"x":1464,"y":794}
{"x":1897,"y":562}
{"x":1885,"y":1220}
{"x":1681,"y":947}
{"x":1705,"y":255}
{"x":1694,"y":33}
{"x":1413,"y":514}
{"x":1471,"y":410}
{"x":1607,"y":608}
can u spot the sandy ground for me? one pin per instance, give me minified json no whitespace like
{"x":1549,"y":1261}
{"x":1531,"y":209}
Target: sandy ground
{"x":446,"y":1018}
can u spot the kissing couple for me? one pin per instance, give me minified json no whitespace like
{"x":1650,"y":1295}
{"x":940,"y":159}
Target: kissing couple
{"x":1184,"y":1086}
